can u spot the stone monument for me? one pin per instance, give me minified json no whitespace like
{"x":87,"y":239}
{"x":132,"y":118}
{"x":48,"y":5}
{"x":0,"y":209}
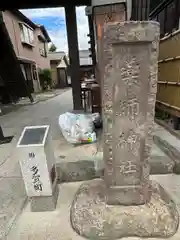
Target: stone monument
{"x":129,"y":100}
{"x":126,"y":203}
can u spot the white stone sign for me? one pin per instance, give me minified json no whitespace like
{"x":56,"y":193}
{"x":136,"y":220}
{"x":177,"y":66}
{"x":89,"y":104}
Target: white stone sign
{"x":37,"y":160}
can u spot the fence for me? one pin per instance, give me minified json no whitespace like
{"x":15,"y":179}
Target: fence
{"x":168,"y":94}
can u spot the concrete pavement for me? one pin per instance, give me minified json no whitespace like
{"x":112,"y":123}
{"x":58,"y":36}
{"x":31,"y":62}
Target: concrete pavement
{"x":12,"y":193}
{"x":11,"y":183}
{"x":56,"y":225}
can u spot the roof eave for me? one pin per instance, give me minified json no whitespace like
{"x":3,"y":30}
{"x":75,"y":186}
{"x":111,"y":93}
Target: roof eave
{"x":43,"y":29}
{"x":24,"y":18}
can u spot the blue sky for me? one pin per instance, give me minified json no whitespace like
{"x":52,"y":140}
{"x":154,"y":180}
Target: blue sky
{"x":54,"y":21}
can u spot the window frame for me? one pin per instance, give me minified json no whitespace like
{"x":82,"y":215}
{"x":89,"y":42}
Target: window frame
{"x":27,"y":34}
{"x":43,"y":52}
{"x":34,"y":72}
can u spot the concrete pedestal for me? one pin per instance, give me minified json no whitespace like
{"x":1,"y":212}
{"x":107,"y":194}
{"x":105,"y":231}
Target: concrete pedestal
{"x":45,"y":203}
{"x":38,"y":167}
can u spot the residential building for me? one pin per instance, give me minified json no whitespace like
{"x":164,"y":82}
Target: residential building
{"x":30,"y":43}
{"x":59,"y":68}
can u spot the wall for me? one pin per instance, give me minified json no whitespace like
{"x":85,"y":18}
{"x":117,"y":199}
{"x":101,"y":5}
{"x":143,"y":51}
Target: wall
{"x":106,"y":2}
{"x":24,"y":51}
{"x":104,"y":14}
{"x":54,"y":65}
{"x":168,"y":95}
{"x":12,"y":25}
{"x":62,"y":77}
{"x":42,"y":62}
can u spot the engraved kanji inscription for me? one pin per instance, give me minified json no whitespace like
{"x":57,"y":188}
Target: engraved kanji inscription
{"x":130,"y":70}
{"x":128,"y":108}
{"x":129,"y":142}
{"x":108,"y":107}
{"x":127,"y":167}
{"x":107,"y":95}
{"x":36,"y":179}
{"x":31,"y":155}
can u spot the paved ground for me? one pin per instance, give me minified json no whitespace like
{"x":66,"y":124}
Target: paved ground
{"x":12,"y":192}
{"x":56,"y":225}
{"x":38,"y":97}
{"x":45,"y":112}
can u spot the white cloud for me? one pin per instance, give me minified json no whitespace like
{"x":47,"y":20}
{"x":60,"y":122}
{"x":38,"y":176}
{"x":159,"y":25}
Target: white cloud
{"x":43,"y":12}
{"x":58,"y":35}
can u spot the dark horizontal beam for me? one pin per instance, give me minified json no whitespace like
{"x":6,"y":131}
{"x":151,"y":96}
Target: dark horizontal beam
{"x":26,"y":4}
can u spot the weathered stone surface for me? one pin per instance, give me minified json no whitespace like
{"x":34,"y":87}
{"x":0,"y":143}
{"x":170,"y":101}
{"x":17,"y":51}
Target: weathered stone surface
{"x":92,"y":218}
{"x":81,"y":170}
{"x":161,"y":165}
{"x":126,"y":203}
{"x":171,"y":151}
{"x":129,"y":94}
{"x":159,"y":162}
{"x":75,"y":171}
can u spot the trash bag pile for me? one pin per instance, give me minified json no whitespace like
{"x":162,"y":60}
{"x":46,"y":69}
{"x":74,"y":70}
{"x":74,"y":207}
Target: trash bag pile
{"x":79,"y":128}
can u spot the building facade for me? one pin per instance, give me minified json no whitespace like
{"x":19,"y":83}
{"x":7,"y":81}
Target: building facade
{"x":59,"y":68}
{"x":30,"y":43}
{"x":59,"y":63}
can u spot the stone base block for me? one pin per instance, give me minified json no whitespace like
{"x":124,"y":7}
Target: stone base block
{"x":92,"y":218}
{"x":75,"y":171}
{"x":133,"y":195}
{"x":45,"y":203}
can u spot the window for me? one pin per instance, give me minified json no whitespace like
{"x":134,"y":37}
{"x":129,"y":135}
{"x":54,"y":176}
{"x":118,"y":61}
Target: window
{"x":27,"y":34}
{"x":34,"y":72}
{"x":26,"y":70}
{"x":42,"y":50}
{"x":31,"y":35}
{"x":23,"y":70}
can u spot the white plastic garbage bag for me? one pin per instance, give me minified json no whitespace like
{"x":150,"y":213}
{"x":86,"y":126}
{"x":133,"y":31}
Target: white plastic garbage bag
{"x":77,"y":128}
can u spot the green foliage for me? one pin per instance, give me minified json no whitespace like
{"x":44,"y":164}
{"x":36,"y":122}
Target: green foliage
{"x":52,"y":48}
{"x":45,"y":78}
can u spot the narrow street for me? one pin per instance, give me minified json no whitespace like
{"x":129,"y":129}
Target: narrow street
{"x":12,"y":192}
{"x":46,"y":112}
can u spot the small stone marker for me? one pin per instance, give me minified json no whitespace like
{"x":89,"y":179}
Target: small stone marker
{"x":130,"y":80}
{"x":37,"y":163}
